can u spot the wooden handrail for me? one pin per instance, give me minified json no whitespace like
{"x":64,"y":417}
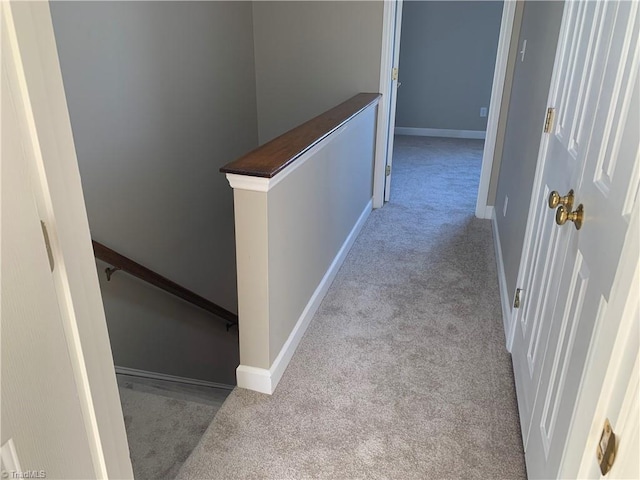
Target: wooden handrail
{"x":125,"y":264}
{"x":274,"y":156}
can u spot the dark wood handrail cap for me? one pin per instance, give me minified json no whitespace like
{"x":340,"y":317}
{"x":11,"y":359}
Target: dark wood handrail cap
{"x":274,"y":156}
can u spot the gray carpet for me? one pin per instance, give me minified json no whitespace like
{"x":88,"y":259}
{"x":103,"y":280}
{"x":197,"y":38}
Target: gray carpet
{"x":403,"y":373}
{"x":163,"y":425}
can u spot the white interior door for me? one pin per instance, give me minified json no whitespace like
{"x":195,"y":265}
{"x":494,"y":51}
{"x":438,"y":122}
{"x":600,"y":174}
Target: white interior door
{"x":41,"y":411}
{"x":60,"y":411}
{"x":592,"y":149}
{"x":395,"y":83}
{"x":547,"y":250}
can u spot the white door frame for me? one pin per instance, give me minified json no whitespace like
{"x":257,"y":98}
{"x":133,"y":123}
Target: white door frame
{"x":483,"y":210}
{"x":32,"y":42}
{"x":393,"y":99}
{"x":390,"y":22}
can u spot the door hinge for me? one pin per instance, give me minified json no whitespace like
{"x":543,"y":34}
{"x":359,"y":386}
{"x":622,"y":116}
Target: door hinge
{"x":394,"y":74}
{"x":548,"y":121}
{"x":606,"y":451}
{"x":47,"y":245}
{"x":516,"y":300}
{"x":387,"y":170}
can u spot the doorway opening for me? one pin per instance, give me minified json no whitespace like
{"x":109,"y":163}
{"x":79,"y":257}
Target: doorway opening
{"x":450,"y":58}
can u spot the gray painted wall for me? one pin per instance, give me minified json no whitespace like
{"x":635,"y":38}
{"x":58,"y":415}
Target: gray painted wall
{"x":532,"y":77}
{"x":311,"y":214}
{"x":447,"y":57}
{"x":311,"y":56}
{"x":161,"y":94}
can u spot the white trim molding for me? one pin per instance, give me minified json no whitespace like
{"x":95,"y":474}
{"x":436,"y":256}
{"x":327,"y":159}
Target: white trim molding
{"x":265,"y":380}
{"x":246,"y":182}
{"x":382,"y":133}
{"x":134,"y":372}
{"x":440,"y":132}
{"x":505,"y":300}
{"x":488,"y":213}
{"x":264,"y":184}
{"x":495,"y":105}
{"x":256,"y":379}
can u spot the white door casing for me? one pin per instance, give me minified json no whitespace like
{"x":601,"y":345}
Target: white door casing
{"x":384,"y":105}
{"x":60,"y":403}
{"x":568,"y":274}
{"x":393,"y":91}
{"x":483,"y":210}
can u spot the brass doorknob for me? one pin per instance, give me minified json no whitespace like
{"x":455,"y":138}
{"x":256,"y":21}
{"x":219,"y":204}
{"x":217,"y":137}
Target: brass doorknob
{"x":563,"y":214}
{"x":555,"y":199}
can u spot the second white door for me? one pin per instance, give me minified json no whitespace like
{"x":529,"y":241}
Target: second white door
{"x":592,"y":149}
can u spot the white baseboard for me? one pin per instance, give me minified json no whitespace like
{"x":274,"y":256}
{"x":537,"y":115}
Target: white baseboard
{"x":170,"y":378}
{"x":502,"y":283}
{"x":440,"y":132}
{"x":265,"y":381}
{"x":486,"y":212}
{"x":256,"y":379}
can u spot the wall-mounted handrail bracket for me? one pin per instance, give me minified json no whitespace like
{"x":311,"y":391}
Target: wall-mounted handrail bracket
{"x":110,"y":271}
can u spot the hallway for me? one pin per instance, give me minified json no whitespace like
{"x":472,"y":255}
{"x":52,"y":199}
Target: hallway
{"x":403,"y":371}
